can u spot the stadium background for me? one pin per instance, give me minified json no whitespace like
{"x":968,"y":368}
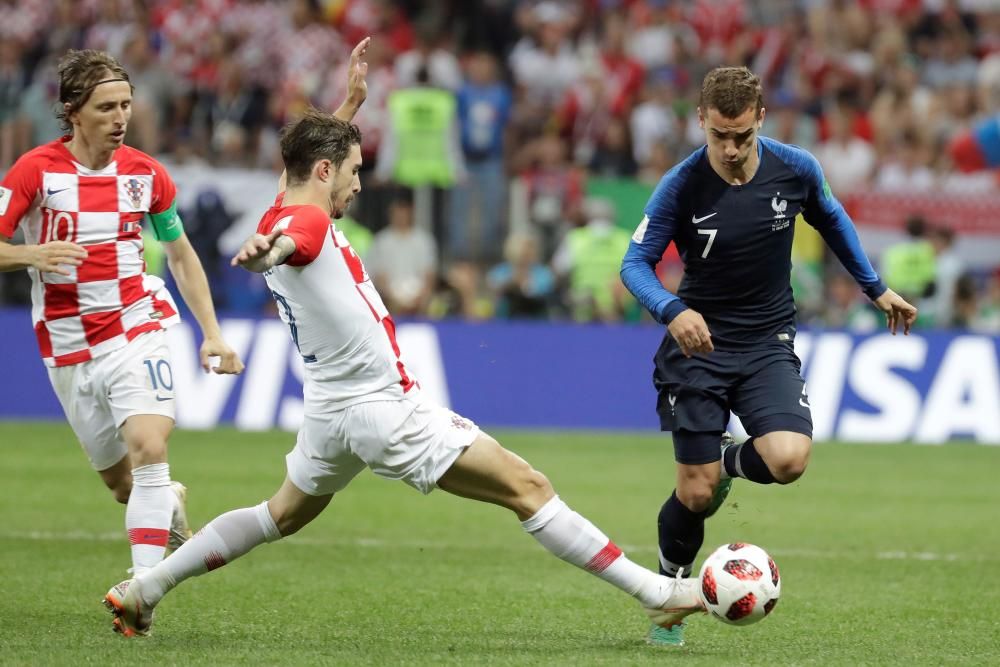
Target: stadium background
{"x":885,"y":552}
{"x":565,"y":116}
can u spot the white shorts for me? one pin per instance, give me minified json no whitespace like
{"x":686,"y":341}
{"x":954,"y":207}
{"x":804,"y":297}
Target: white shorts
{"x":99,"y":395}
{"x":410,"y":439}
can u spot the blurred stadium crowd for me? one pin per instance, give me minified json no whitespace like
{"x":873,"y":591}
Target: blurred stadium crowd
{"x":559,"y":117}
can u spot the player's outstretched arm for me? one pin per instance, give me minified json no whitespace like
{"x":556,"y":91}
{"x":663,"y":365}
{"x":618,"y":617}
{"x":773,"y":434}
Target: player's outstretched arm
{"x":51,"y":257}
{"x":357,"y":85}
{"x":262,"y":252}
{"x":357,"y":93}
{"x":193,"y":285}
{"x":897,"y":310}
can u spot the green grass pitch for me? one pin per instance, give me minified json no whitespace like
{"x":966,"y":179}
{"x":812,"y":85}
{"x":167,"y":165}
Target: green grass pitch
{"x":888,"y":554}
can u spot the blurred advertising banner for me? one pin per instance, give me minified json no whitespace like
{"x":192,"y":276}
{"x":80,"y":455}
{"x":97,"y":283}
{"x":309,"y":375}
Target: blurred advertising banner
{"x":930,"y":387}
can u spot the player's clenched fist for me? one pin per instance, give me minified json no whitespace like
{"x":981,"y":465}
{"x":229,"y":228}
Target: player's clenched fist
{"x":55,"y":256}
{"x":691,"y":333}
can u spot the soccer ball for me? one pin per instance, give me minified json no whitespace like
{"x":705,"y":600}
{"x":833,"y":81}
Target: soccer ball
{"x":739,"y":583}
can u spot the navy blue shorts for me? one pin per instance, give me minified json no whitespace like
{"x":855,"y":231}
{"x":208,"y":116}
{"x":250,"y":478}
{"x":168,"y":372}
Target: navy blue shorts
{"x":762,"y":385}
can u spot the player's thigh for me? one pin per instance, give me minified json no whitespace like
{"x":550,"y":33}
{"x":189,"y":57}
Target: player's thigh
{"x":321,"y":463}
{"x":771,"y":395}
{"x":487,"y":472}
{"x":410,"y":439}
{"x":692,"y":402}
{"x":89,"y":414}
{"x":139,"y":381}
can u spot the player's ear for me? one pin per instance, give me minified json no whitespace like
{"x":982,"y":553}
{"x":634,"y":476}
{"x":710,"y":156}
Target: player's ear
{"x":701,"y":119}
{"x":760,"y":119}
{"x":324,"y":170}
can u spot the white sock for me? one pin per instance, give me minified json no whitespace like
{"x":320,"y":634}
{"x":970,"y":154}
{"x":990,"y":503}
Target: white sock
{"x":148,"y":513}
{"x":222,"y":541}
{"x":569,"y":536}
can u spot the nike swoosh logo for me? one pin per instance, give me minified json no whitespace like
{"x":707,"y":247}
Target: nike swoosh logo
{"x":51,"y":192}
{"x":164,"y":398}
{"x":696,"y":220}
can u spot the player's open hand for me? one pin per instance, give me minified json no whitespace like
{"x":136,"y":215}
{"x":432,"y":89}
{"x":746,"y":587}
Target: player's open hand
{"x":56,"y":256}
{"x":357,"y":85}
{"x":255,"y":247}
{"x":897,"y":311}
{"x":691,"y":333}
{"x":229,"y":361}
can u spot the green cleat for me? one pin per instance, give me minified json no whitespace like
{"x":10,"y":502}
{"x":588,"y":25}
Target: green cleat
{"x":722,"y":490}
{"x":663,"y":637}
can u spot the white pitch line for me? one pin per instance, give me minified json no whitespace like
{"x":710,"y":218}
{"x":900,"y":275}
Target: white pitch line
{"x":378,"y":543}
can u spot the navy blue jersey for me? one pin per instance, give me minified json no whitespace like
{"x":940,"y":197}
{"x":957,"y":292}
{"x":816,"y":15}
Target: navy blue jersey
{"x":736,"y":243}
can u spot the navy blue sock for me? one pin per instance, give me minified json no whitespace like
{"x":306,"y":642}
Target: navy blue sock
{"x":681,"y":535}
{"x":743,"y":460}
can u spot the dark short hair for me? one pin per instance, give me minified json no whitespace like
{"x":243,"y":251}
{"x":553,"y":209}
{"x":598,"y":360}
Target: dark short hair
{"x":316,"y":136}
{"x":731,"y":90}
{"x":916,"y":225}
{"x":79,"y":74}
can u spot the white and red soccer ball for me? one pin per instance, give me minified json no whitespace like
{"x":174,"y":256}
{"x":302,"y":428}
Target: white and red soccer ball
{"x":739,"y":583}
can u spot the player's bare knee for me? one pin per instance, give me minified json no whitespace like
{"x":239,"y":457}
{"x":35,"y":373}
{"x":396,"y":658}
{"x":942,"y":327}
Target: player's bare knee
{"x":790,"y":469}
{"x":696,"y":497}
{"x":147,"y":450}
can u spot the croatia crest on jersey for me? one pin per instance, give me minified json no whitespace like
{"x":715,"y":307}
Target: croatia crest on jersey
{"x":133,"y":188}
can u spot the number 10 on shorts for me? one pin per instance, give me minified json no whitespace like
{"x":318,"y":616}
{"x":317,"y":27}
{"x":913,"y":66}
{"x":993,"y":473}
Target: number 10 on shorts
{"x":160,"y":374}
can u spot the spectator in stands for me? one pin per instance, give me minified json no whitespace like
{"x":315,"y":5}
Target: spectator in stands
{"x":908,"y":267}
{"x":948,"y":269}
{"x":966,"y":306}
{"x":522,"y":286}
{"x":545,"y":62}
{"x":157,"y":94}
{"x":847,"y":308}
{"x":654,"y":120}
{"x":460,"y":293}
{"x":987,"y":318}
{"x":37,"y":124}
{"x":431,"y":53}
{"x":904,"y":167}
{"x":11,"y":88}
{"x":588,"y":263}
{"x":554,"y":191}
{"x":613,"y":155}
{"x":847,"y":159}
{"x":478,"y":204}
{"x":403,"y":260}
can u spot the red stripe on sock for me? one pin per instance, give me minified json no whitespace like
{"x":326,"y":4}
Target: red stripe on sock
{"x":604,"y":558}
{"x":214,"y":560}
{"x":154,"y":536}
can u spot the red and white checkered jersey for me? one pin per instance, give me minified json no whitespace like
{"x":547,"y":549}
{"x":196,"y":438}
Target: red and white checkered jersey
{"x":343,"y":331}
{"x":108,"y":300}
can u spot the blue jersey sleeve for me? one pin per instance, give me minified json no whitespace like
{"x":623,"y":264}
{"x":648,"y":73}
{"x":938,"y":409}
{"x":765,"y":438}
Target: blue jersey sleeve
{"x":650,"y":241}
{"x":824,"y":212}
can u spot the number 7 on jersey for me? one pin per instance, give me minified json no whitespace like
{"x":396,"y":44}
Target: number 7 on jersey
{"x":710,"y":233}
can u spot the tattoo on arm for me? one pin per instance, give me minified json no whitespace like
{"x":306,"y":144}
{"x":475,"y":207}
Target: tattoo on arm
{"x":283,"y":247}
